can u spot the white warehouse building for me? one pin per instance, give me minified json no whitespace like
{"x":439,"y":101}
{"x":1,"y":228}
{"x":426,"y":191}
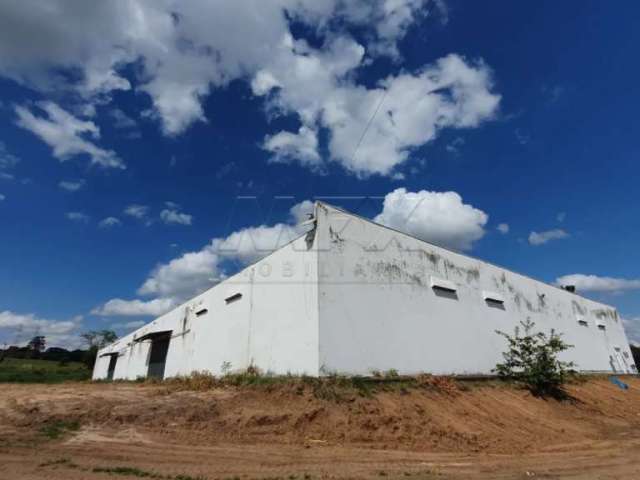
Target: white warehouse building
{"x":353,"y":297}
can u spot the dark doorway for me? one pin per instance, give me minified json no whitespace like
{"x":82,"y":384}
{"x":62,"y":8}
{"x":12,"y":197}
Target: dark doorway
{"x":113,"y":359}
{"x":158,"y":356}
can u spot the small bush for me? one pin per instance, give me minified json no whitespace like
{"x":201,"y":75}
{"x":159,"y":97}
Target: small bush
{"x":532,"y":359}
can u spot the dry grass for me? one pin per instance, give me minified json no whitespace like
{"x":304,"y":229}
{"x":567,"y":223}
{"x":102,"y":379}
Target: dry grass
{"x":335,"y":388}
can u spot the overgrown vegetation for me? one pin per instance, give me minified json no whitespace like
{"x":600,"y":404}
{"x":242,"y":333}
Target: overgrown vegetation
{"x":333,"y":388}
{"x":136,"y":472}
{"x":17,"y":370}
{"x":57,"y":428}
{"x":121,"y":471}
{"x":59,"y":462}
{"x":532,"y":359}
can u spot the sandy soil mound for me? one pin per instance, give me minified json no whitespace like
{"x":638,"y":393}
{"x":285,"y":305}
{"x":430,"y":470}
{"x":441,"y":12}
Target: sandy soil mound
{"x":468,"y":421}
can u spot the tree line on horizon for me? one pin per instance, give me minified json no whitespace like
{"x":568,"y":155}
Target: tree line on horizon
{"x":36,"y":349}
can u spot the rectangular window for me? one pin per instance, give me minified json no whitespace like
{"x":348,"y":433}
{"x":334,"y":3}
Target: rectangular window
{"x":201,"y":312}
{"x":581,"y":321}
{"x":602,"y":326}
{"x":233,"y":298}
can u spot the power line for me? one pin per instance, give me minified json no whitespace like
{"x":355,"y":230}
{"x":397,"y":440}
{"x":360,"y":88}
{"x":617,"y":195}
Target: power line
{"x":366,"y":129}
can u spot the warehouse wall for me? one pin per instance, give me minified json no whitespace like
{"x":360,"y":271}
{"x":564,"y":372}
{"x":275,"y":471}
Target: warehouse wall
{"x":378,"y":310}
{"x":357,"y":297}
{"x":274,"y":325}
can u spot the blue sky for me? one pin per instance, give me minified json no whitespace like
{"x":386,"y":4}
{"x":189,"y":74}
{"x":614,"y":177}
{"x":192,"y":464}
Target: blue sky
{"x":131,"y":132}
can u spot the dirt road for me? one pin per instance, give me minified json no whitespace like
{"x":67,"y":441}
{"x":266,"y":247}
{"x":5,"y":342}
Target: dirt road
{"x":98,"y":431}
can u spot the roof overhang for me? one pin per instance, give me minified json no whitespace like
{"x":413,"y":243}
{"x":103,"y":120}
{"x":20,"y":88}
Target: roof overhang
{"x":153,"y":335}
{"x":110,"y":354}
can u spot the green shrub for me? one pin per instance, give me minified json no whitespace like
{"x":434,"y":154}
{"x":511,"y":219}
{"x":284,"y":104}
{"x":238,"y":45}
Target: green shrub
{"x":532,"y":359}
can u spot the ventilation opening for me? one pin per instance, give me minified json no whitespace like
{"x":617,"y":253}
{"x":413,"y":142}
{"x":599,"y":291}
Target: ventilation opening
{"x":495,"y":303}
{"x":584,"y":323}
{"x":493,"y":299}
{"x":233,"y":298}
{"x":441,"y":285}
{"x":602,"y":327}
{"x":202,"y":312}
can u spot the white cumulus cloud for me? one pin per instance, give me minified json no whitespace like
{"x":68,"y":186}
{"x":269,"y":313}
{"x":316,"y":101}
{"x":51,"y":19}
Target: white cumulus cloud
{"x":594,"y":283}
{"x":17,"y":329}
{"x":77,"y":217}
{"x":437,"y":217}
{"x":503,"y":228}
{"x":184,"y":276}
{"x":7,"y":162}
{"x":137,"y":211}
{"x":193,"y":272}
{"x":184,"y":50}
{"x":66,"y":134}
{"x":540,"y":238}
{"x":300,"y":211}
{"x":171,"y":216}
{"x":372,"y":131}
{"x":632,"y":329}
{"x":128,"y":325}
{"x":122,"y":120}
{"x":134,"y":308}
{"x":71,"y":185}
{"x":109,"y":222}
{"x":301,"y":146}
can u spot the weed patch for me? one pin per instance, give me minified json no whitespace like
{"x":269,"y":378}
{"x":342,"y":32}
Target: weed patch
{"x":136,"y":472}
{"x":57,"y":428}
{"x":332,"y":388}
{"x":60,"y":462}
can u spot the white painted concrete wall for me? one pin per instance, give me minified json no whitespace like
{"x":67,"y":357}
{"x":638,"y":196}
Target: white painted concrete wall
{"x":274,"y":326}
{"x":379,"y":312}
{"x":358,"y":299}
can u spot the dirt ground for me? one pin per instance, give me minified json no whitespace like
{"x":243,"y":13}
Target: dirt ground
{"x":97,"y":431}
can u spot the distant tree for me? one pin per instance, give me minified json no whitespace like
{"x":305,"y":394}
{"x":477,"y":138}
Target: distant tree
{"x":56,"y":354}
{"x":532,"y":359}
{"x":37,"y":345}
{"x":99,"y":338}
{"x":77,"y":355}
{"x":96,"y":339}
